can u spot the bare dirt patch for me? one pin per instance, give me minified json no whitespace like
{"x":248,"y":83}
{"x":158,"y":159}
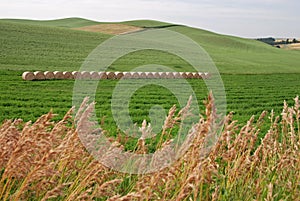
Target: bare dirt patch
{"x":114,"y":29}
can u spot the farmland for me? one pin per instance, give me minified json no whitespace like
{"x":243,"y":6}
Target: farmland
{"x":254,"y":160}
{"x":256,"y":76}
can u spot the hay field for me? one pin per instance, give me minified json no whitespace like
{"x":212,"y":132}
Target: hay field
{"x":257,"y":155}
{"x":294,"y":46}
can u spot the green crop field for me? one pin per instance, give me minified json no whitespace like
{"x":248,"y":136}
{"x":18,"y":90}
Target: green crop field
{"x":256,"y":76}
{"x":252,"y":160}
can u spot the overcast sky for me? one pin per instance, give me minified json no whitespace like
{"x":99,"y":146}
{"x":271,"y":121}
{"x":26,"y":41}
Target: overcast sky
{"x":246,"y":18}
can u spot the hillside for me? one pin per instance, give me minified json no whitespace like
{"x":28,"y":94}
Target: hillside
{"x":34,"y":47}
{"x":67,"y":22}
{"x":43,"y":45}
{"x":27,"y":45}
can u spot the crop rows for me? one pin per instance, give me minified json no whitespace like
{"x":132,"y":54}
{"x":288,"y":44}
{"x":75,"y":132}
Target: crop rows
{"x":247,"y":95}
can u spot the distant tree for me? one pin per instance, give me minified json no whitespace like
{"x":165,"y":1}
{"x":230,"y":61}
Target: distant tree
{"x":270,"y":40}
{"x":287,"y":41}
{"x":295,"y":40}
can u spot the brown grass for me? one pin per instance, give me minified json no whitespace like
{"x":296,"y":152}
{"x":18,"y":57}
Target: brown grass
{"x":113,"y":29}
{"x":46,"y":160}
{"x":293,"y":46}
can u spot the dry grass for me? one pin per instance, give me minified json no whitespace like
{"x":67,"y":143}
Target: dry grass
{"x":46,"y":160}
{"x":114,"y":29}
{"x":293,"y":46}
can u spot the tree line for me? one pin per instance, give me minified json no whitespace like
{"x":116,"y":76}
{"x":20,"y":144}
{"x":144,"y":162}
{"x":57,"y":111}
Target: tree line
{"x":273,"y":41}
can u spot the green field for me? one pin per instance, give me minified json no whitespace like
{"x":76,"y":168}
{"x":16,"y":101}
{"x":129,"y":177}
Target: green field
{"x":256,"y":76}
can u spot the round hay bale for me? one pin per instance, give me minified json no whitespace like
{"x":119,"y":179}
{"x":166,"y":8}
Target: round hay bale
{"x":149,"y":75}
{"x":156,"y":75}
{"x":207,"y":75}
{"x":111,"y":75}
{"x":102,"y":75}
{"x":163,"y":75}
{"x":127,"y":75}
{"x":68,"y":75}
{"x":134,"y":75}
{"x":177,"y":75}
{"x":39,"y":75}
{"x":196,"y":75}
{"x":94,"y":75}
{"x":142,"y":75}
{"x":190,"y":75}
{"x":200,"y":75}
{"x":58,"y":75}
{"x":28,"y":76}
{"x":170,"y":75}
{"x":76,"y":74}
{"x":119,"y":75}
{"x":183,"y":75}
{"x":85,"y":75}
{"x":49,"y":75}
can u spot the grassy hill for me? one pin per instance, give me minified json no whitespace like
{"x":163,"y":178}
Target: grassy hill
{"x":66,"y":22}
{"x":34,"y":47}
{"x":43,"y":44}
{"x":147,"y":23}
{"x":243,"y":56}
{"x":46,"y":160}
{"x":27,"y":45}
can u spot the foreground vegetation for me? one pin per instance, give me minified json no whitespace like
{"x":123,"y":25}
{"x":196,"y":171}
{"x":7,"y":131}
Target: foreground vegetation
{"x":45,"y":160}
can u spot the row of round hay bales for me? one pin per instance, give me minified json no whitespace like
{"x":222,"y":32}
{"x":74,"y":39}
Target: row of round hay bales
{"x":48,"y":75}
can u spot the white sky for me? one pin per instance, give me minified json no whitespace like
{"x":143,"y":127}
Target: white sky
{"x":246,"y":18}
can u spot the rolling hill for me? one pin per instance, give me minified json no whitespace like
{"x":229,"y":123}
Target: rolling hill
{"x":256,"y":76}
{"x":45,"y":43}
{"x":66,"y":22}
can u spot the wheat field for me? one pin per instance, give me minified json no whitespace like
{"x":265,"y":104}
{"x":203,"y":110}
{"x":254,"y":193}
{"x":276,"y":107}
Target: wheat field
{"x":45,"y":160}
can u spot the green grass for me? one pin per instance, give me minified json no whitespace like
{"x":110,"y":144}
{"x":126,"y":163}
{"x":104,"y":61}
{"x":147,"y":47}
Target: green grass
{"x":29,"y":47}
{"x":67,"y":22}
{"x":251,"y":70}
{"x":233,"y":55}
{"x":32,"y":47}
{"x":247,"y":95}
{"x":147,"y":23}
{"x":256,"y":76}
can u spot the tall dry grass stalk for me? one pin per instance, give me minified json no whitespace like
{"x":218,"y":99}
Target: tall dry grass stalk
{"x":46,"y":161}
